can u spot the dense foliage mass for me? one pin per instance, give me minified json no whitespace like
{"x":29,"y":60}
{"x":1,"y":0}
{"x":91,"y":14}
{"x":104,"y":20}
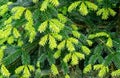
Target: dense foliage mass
{"x":59,"y":38}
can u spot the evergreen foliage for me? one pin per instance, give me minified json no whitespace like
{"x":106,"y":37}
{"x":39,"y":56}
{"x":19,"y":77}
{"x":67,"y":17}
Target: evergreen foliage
{"x":54,"y":38}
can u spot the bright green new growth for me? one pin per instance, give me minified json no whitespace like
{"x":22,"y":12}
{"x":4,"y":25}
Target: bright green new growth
{"x":73,"y":6}
{"x":86,"y":50}
{"x":57,"y":54}
{"x":83,"y":7}
{"x":52,"y":42}
{"x":54,"y":69}
{"x":10,"y":40}
{"x":103,"y":70}
{"x":25,"y":69}
{"x":67,"y":58}
{"x":70,"y":46}
{"x":61,"y":45}
{"x":106,"y":12}
{"x":16,"y":33}
{"x":115,"y":73}
{"x":75,"y":57}
{"x":87,"y":69}
{"x":99,"y":34}
{"x":4,"y":8}
{"x":74,"y":60}
{"x":4,"y":71}
{"x":17,"y":11}
{"x":46,"y":3}
{"x":29,"y":25}
{"x":89,"y":42}
{"x":76,"y":34}
{"x":67,"y":76}
{"x":43,"y":40}
{"x":109,"y":43}
{"x":43,"y":26}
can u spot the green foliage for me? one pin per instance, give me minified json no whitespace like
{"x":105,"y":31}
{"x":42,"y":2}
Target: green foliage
{"x":67,"y":76}
{"x":46,"y":3}
{"x":109,"y":42}
{"x":54,"y":69}
{"x":103,"y":70}
{"x":115,"y":73}
{"x":26,"y":70}
{"x":4,"y":8}
{"x":4,"y":71}
{"x":86,"y":50}
{"x":49,"y":38}
{"x":84,"y":6}
{"x":88,"y":68}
